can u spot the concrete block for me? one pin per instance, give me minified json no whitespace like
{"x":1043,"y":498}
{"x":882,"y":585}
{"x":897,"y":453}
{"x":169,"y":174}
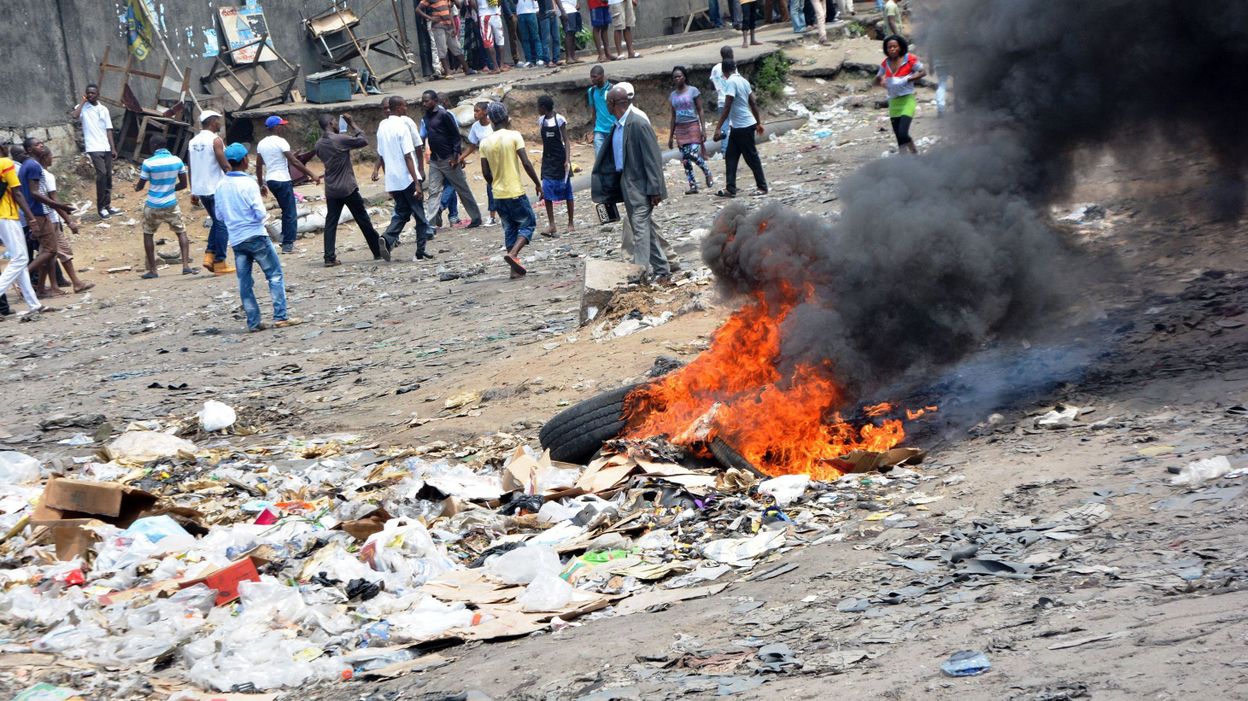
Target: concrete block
{"x":599,"y":282}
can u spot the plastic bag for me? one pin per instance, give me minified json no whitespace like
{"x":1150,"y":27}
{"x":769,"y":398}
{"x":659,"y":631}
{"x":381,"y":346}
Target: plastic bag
{"x":524,"y":564}
{"x":274,"y":601}
{"x":18,"y":468}
{"x":405,"y":552}
{"x":785,"y":489}
{"x":216,"y":416}
{"x":427,"y":619}
{"x":157,"y":528}
{"x":144,"y":446}
{"x":1200,"y":471}
{"x":547,"y":592}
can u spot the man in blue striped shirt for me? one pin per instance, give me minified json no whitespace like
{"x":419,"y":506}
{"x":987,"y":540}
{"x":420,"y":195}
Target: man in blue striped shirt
{"x":164,"y":174}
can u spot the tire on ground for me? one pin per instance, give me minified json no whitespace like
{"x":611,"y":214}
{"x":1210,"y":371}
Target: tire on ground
{"x":576,"y":433}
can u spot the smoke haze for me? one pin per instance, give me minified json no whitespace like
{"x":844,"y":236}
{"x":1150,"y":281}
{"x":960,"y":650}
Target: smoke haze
{"x":938,"y":255}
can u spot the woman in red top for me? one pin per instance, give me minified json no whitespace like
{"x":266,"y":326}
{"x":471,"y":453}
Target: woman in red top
{"x":898,"y":74}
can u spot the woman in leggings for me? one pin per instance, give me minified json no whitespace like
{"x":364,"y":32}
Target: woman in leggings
{"x":898,"y":74}
{"x":686,"y":129}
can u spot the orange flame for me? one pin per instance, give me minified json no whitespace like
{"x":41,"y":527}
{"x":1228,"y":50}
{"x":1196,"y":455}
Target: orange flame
{"x":782,"y":425}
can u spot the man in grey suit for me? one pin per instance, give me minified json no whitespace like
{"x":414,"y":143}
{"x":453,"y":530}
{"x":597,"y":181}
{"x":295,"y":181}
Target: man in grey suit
{"x":629,"y":169}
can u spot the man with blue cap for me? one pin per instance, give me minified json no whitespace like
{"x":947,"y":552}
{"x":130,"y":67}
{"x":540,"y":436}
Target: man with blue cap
{"x":275,"y":161}
{"x":239,"y":207}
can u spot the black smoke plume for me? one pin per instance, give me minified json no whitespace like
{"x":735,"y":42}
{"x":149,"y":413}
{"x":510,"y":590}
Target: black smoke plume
{"x":936,"y":256}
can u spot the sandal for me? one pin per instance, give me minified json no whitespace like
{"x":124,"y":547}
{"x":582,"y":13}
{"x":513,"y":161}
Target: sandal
{"x":725,"y":194}
{"x":691,"y":191}
{"x":516,"y":266}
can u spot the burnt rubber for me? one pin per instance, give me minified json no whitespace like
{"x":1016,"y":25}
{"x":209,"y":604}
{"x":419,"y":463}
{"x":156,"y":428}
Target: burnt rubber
{"x":729,"y":457}
{"x":576,"y":433}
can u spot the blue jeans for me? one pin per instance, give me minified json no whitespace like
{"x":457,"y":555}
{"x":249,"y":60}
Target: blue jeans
{"x":259,"y":249}
{"x":530,"y":37}
{"x":450,"y":203}
{"x":284,"y":193}
{"x":218,"y":237}
{"x":550,"y":36}
{"x":712,"y":9}
{"x":518,"y":219}
{"x":723,"y":139}
{"x":600,"y":140}
{"x":797,"y":14}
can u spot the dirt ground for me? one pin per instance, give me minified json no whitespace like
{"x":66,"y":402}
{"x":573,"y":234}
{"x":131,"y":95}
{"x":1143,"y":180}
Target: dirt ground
{"x":1146,"y":602}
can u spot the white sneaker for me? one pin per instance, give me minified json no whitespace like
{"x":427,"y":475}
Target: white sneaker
{"x":540,"y":63}
{"x":114,"y":210}
{"x":104,"y":214}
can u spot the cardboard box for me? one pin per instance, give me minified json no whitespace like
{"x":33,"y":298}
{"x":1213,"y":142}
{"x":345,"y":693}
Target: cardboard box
{"x":66,"y":499}
{"x":70,"y":509}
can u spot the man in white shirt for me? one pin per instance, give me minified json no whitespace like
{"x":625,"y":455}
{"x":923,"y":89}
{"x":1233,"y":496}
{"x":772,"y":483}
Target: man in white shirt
{"x":275,"y":158}
{"x":207,"y":165}
{"x":97,"y":137}
{"x":721,"y":87}
{"x":397,"y":149}
{"x":239,"y":207}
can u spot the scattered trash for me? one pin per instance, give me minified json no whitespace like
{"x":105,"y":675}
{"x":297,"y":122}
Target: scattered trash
{"x":966,"y":663}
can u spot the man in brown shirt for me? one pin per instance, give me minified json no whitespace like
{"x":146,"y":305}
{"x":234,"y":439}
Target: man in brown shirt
{"x":341,"y":190}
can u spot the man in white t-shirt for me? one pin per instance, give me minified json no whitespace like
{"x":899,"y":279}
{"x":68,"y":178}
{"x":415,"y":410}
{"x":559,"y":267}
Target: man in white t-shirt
{"x":721,"y":87}
{"x":97,"y":137}
{"x":396,"y":145}
{"x":275,"y":162}
{"x":207,"y":164}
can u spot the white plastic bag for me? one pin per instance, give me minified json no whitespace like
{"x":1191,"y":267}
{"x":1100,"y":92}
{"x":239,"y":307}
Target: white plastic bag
{"x":17,"y":468}
{"x":524,"y":564}
{"x":216,"y":416}
{"x":143,"y":446}
{"x":785,"y":489}
{"x":1198,"y":472}
{"x":547,"y":592}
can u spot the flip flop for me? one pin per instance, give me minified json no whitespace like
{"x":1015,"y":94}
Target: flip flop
{"x":516,"y":267}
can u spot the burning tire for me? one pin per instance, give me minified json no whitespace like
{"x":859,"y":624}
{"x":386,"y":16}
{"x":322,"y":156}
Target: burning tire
{"x":576,"y":433}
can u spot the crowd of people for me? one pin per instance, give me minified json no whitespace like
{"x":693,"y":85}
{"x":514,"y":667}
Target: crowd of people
{"x":422,"y":168}
{"x":498,"y":35}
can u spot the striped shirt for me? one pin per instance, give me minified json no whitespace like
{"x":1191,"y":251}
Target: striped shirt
{"x":439,"y":11}
{"x":161,"y":173}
